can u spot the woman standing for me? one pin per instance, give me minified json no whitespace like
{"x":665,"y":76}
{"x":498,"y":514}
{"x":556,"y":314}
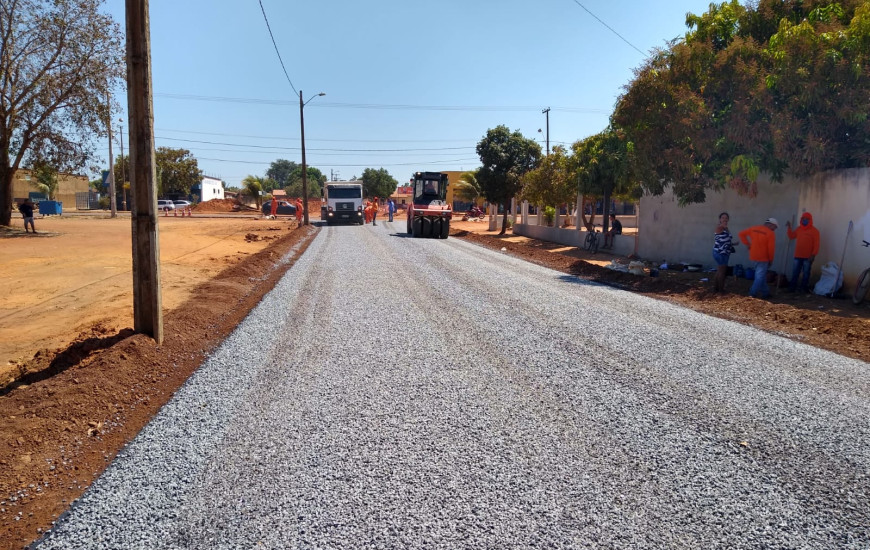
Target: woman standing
{"x":723,"y":246}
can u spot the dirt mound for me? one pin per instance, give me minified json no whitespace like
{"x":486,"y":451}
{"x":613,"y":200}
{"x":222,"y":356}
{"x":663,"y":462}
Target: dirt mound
{"x":217,"y":205}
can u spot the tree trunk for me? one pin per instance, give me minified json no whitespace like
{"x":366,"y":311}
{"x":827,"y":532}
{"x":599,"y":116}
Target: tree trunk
{"x":6,"y":173}
{"x":606,"y":222}
{"x":504,"y":220}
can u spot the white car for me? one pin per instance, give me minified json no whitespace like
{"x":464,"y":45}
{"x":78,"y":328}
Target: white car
{"x":165,"y":205}
{"x":182,"y":204}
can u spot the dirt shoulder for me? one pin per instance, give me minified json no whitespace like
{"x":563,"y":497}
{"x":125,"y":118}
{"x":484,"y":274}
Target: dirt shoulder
{"x":833,"y":324}
{"x":76,"y":406}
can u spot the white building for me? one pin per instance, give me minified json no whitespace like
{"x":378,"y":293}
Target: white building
{"x":210,"y":188}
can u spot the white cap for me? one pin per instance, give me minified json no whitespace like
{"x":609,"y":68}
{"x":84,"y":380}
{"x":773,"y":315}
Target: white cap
{"x":773,"y":221}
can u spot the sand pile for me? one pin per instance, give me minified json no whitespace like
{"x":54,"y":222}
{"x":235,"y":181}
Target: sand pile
{"x":217,"y":205}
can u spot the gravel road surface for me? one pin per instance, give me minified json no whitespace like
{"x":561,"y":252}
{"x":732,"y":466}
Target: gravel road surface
{"x":408,"y":393}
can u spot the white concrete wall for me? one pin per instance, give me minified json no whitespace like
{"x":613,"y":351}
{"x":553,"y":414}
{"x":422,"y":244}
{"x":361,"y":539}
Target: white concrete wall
{"x":623,"y":245}
{"x":685,"y":234}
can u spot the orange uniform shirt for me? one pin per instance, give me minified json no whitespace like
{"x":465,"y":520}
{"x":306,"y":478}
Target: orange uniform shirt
{"x":806,"y":237}
{"x":761,"y":241}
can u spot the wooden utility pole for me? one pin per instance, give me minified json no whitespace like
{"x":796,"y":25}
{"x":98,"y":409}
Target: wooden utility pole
{"x":147,"y":306}
{"x":113,"y":198}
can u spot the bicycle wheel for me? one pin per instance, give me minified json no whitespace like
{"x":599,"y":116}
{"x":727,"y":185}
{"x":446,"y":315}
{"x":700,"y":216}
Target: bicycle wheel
{"x":587,"y":244}
{"x":594,"y":243}
{"x":862,"y":286}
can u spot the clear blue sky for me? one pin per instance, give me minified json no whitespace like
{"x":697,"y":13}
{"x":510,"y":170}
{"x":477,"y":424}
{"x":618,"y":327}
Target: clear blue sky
{"x":410,"y":85}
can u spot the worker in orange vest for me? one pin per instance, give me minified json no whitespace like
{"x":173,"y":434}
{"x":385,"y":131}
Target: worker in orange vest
{"x":375,"y":207}
{"x":367,"y":211}
{"x":274,"y":206}
{"x":761,"y":241}
{"x":299,"y":209}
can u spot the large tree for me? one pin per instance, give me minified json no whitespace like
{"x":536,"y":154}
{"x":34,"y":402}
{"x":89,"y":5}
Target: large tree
{"x":280,"y":171}
{"x":603,"y":167}
{"x":777,"y":86}
{"x":378,"y":183}
{"x":58,"y":60}
{"x":315,"y":181}
{"x":178,"y":171}
{"x":252,"y":186}
{"x":505,"y":157}
{"x":550,"y":184}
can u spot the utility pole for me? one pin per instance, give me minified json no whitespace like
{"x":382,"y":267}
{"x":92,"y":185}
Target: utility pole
{"x":147,"y":305}
{"x":111,"y":179}
{"x":547,"y":112}
{"x":304,"y":168}
{"x":123,"y":171}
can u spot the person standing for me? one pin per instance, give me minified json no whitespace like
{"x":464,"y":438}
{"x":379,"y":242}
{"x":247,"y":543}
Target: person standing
{"x":375,"y":207}
{"x":723,"y":246}
{"x":274,"y":206}
{"x":807,"y":240}
{"x":391,"y":208}
{"x":762,"y":244}
{"x":300,"y":211}
{"x":26,"y":209}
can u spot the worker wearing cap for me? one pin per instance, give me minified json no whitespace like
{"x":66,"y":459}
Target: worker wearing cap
{"x":761,"y":242}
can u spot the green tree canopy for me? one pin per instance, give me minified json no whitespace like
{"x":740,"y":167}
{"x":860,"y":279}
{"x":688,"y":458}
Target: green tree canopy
{"x":603,"y":167}
{"x":778,"y":86}
{"x":378,"y":183}
{"x":550,"y":184}
{"x":468,"y":188}
{"x":505,"y":159}
{"x":45,"y":179}
{"x":280,"y":171}
{"x":252,"y":186}
{"x":315,"y":182}
{"x":178,"y":171}
{"x":58,"y":61}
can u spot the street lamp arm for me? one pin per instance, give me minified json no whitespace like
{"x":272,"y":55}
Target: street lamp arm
{"x":304,"y":167}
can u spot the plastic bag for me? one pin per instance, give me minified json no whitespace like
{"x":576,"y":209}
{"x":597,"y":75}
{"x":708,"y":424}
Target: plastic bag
{"x":830,"y":282}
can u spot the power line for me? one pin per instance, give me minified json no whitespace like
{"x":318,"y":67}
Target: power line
{"x":309,"y":149}
{"x":352,"y":165}
{"x":610,"y":28}
{"x":276,"y":48}
{"x":383,"y":106}
{"x":308,"y":139}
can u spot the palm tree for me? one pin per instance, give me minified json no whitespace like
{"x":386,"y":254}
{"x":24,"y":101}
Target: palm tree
{"x":467,"y":188}
{"x":252,"y":186}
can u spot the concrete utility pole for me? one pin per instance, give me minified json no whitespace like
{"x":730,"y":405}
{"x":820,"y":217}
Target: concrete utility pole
{"x":147,"y":306}
{"x":304,"y":169}
{"x":547,"y":112}
{"x":111,"y":179}
{"x":123,"y":171}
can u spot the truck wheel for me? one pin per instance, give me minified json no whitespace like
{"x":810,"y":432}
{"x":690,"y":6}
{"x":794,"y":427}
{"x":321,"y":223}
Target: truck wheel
{"x":436,"y":228}
{"x":408,"y":225}
{"x":445,"y":228}
{"x":417,"y":227}
{"x":426,"y":228}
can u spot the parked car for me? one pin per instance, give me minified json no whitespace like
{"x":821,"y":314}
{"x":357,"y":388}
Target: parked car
{"x":284,"y":208}
{"x":165,"y":205}
{"x":181,"y":204}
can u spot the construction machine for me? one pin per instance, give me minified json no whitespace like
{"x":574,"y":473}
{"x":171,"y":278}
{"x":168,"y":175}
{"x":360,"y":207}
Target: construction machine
{"x":429,"y":212}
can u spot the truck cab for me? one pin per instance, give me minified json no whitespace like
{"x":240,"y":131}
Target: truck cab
{"x":342,"y":202}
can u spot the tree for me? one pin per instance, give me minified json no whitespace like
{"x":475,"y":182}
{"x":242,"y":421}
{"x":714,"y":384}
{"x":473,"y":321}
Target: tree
{"x":505,"y":157}
{"x":550,"y":184}
{"x":45,"y":177}
{"x":468,"y":188}
{"x":252,"y":186}
{"x":603,"y":167}
{"x":315,"y":182}
{"x":777,"y":86}
{"x":178,"y":171}
{"x":378,"y":183}
{"x":58,"y":59}
{"x":280,"y":171}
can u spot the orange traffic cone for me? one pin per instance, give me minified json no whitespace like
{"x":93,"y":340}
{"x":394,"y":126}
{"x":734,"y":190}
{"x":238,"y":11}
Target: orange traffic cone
{"x":189,"y":212}
{"x":165,"y":212}
{"x":175,"y":212}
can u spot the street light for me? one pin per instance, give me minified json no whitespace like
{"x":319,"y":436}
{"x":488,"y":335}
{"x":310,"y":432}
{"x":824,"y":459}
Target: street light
{"x":304,"y":168}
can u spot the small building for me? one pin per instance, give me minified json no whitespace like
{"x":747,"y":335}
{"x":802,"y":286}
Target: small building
{"x":67,"y":187}
{"x":279,"y":194}
{"x":402,"y":196}
{"x":210,"y":188}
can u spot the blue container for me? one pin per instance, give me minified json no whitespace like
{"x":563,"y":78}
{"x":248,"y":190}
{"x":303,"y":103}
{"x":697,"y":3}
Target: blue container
{"x":50,"y":208}
{"x":749,"y":274}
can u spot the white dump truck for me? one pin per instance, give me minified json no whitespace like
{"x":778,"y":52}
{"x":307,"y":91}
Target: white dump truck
{"x":342,"y":202}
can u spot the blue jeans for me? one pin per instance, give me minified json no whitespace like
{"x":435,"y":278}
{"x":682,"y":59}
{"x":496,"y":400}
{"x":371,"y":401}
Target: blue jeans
{"x":759,"y":285}
{"x":391,"y":216}
{"x":721,"y":259}
{"x":801,"y":264}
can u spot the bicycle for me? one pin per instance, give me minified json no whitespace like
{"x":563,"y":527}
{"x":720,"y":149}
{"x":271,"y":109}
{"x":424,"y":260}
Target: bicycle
{"x":592,"y":240}
{"x":863,"y":282}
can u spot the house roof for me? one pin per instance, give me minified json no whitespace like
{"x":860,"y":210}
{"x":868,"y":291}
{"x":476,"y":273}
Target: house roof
{"x":279,"y":193}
